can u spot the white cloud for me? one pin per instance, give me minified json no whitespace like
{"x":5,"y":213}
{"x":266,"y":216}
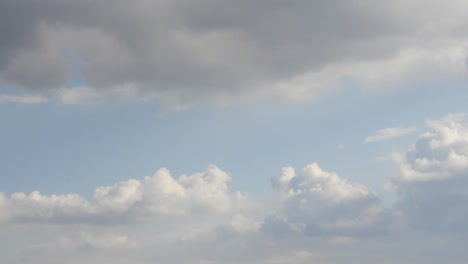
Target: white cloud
{"x":159,"y":195}
{"x":440,"y":153}
{"x":432,"y":186}
{"x":319,"y":203}
{"x":326,"y":185}
{"x":81,"y":95}
{"x":23,"y":99}
{"x":239,"y":225}
{"x":319,"y":217}
{"x":389,"y":133}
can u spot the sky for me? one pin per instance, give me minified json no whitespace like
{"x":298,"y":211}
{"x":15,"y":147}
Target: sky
{"x":222,"y":132}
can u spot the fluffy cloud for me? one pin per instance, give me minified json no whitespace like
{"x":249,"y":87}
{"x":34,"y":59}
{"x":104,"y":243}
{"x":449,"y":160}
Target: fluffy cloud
{"x":389,"y":133}
{"x":319,"y":216}
{"x":433,"y":183}
{"x":439,"y":154}
{"x":319,"y":203}
{"x":314,"y":203}
{"x":183,"y":53}
{"x":159,"y":195}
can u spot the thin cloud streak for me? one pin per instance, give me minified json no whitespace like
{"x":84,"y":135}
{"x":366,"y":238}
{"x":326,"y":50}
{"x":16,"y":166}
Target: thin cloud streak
{"x":389,"y":133}
{"x":22,"y":99}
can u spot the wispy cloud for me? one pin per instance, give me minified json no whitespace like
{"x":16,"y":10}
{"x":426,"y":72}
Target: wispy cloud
{"x":22,"y":99}
{"x":389,"y":133}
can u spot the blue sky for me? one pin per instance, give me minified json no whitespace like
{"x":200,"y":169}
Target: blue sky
{"x":256,"y":132}
{"x":61,"y":149}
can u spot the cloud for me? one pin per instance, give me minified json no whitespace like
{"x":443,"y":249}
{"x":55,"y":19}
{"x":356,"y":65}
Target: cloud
{"x":389,"y":133}
{"x":81,"y":95}
{"x":86,"y":241}
{"x":22,"y":99}
{"x":438,"y":154}
{"x":238,"y":226}
{"x":314,"y":203}
{"x":433,"y":183}
{"x":318,"y":216}
{"x":183,"y":53}
{"x":159,"y":195}
{"x":320,"y":203}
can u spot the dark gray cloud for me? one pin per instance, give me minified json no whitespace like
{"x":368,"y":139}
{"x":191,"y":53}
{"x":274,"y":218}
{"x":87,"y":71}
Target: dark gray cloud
{"x":185,"y":52}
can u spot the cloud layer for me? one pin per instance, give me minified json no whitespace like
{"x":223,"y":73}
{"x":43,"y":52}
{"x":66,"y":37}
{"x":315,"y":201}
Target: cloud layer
{"x":184,"y":53}
{"x":314,"y":215}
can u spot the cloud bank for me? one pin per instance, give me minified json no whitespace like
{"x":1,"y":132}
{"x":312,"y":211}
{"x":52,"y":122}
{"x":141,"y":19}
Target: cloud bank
{"x":314,"y":215}
{"x":160,"y":195}
{"x":184,"y":53}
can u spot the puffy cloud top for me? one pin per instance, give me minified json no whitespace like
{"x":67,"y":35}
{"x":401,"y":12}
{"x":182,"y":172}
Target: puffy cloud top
{"x":325,"y":185}
{"x":161,"y":194}
{"x":439,"y":153}
{"x":433,"y":184}
{"x":317,"y":202}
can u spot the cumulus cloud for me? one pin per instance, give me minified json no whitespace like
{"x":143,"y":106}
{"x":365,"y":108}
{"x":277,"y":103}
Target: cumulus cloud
{"x":239,"y":225}
{"x":320,"y":203}
{"x":433,"y":183}
{"x":313,"y":203}
{"x":159,"y":195}
{"x":319,"y":216}
{"x":438,"y":154}
{"x":389,"y":133}
{"x":184,"y":53}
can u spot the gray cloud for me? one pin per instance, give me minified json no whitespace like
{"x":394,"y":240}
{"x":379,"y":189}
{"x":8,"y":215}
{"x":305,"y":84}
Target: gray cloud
{"x":183,"y":53}
{"x":433,"y":184}
{"x":22,"y":99}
